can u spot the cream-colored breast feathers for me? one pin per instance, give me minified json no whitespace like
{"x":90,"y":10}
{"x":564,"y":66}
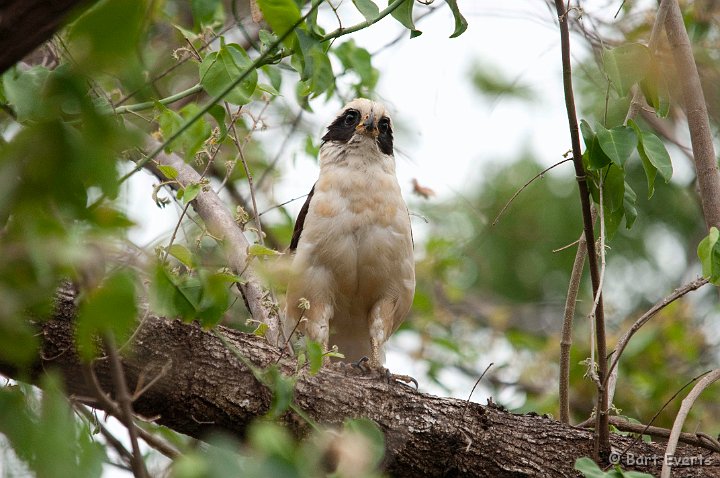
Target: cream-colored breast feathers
{"x":354,"y":253}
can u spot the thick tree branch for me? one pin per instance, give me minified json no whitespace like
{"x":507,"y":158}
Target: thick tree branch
{"x":206,"y":387}
{"x":25,"y":24}
{"x":706,"y":164}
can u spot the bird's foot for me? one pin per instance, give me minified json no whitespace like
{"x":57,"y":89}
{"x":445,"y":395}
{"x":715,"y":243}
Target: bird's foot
{"x":364,"y":366}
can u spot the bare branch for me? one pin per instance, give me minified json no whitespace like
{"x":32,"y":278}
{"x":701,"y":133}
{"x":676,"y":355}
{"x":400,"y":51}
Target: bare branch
{"x":687,"y":404}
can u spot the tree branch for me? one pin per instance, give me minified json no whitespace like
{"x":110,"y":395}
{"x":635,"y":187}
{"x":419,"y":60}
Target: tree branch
{"x":25,"y":24}
{"x":208,"y":388}
{"x":221,"y":223}
{"x":697,"y":116}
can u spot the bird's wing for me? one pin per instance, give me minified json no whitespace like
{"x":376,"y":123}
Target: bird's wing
{"x":300,"y":221}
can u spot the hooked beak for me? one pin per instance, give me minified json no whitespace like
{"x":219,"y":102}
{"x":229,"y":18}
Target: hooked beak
{"x":369,"y":127}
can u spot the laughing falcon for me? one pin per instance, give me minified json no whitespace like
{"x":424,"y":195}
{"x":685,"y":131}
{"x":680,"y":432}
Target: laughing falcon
{"x":352,"y":241}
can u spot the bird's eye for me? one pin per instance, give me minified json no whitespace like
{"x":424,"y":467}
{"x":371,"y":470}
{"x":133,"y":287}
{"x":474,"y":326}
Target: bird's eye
{"x":384,"y":125}
{"x":351,"y":117}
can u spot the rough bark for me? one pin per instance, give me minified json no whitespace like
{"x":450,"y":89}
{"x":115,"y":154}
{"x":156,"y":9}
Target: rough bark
{"x":203,"y":386}
{"x":25,"y":24}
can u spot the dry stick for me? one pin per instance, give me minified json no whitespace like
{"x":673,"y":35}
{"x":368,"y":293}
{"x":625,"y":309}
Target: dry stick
{"x":124,"y":400}
{"x":687,"y":404}
{"x":696,"y":111}
{"x":111,"y":408}
{"x":602,"y":438}
{"x":221,"y":223}
{"x":568,"y":317}
{"x":622,"y":343}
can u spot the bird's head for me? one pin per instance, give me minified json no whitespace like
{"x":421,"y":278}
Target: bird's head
{"x":362,"y":121}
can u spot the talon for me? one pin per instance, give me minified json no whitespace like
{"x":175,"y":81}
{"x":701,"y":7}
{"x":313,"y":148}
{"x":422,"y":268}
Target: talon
{"x":404,"y":379}
{"x":360,"y":364}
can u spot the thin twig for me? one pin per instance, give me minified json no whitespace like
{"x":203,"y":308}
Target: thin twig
{"x":125,"y":406}
{"x":657,"y":414}
{"x":682,"y":414}
{"x":109,"y":437}
{"x":602,"y":442}
{"x":248,"y":175}
{"x":675,"y":295}
{"x":477,"y":382}
{"x":538,"y":175}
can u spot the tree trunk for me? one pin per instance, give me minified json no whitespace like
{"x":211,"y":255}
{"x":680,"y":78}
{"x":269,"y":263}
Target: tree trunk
{"x":25,"y":24}
{"x":201,"y":385}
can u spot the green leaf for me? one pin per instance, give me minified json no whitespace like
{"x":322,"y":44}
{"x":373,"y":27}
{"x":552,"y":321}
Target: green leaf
{"x":655,"y":89}
{"x":281,"y":15}
{"x":313,"y":65}
{"x":46,"y":435}
{"x":589,"y":468}
{"x":368,"y":9}
{"x":650,"y":169}
{"x":594,"y":155}
{"x":629,"y":206}
{"x":110,"y":308}
{"x":107,"y":38}
{"x":613,"y":196}
{"x":218,"y":113}
{"x":315,"y":356}
{"x":614,"y":188}
{"x":204,"y":11}
{"x":283,"y":389}
{"x":168,"y":171}
{"x":190,"y":192}
{"x":709,"y":253}
{"x":359,"y":60}
{"x":654,"y":150}
{"x":626,"y":65}
{"x":461,"y":23}
{"x":261,"y":329}
{"x":168,"y":297}
{"x":22,"y":90}
{"x":215,"y":297}
{"x":403,"y":14}
{"x":192,"y":139}
{"x":617,"y":143}
{"x":257,"y":250}
{"x":268,"y":89}
{"x":181,"y":253}
{"x":220,"y":69}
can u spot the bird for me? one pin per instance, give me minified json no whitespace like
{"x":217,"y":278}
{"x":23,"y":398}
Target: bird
{"x":352,"y":277}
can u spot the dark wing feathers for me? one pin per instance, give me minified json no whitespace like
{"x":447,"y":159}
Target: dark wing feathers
{"x":300,"y":221}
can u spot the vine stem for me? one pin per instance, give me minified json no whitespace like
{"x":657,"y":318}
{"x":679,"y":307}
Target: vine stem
{"x":602,"y":426}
